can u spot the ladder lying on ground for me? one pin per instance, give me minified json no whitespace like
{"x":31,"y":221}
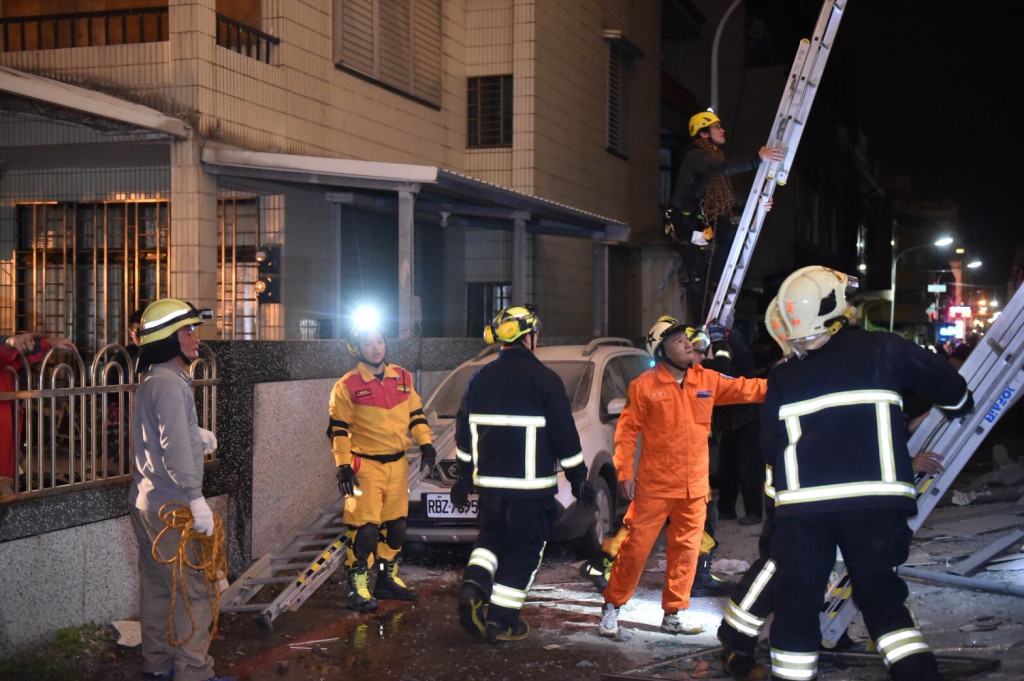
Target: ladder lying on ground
{"x":299,"y":563}
{"x":995,"y":374}
{"x":790,"y":120}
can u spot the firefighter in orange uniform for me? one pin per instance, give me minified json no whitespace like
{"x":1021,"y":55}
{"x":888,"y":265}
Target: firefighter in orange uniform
{"x":670,"y":405}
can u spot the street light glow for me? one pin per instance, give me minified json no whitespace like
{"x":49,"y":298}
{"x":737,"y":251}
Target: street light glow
{"x":941,"y":242}
{"x":974,"y":264}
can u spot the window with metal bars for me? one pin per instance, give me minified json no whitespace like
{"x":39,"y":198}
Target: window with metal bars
{"x":81,"y":269}
{"x":489,"y":114}
{"x":237,"y":240}
{"x":483,"y":302}
{"x":620,"y":66}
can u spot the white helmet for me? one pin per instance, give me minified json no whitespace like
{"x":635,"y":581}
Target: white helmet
{"x":813,"y":301}
{"x":773,"y":321}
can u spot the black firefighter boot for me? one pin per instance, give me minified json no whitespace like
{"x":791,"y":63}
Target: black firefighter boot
{"x":705,"y":583}
{"x":389,"y":585}
{"x":359,"y":598}
{"x":597,"y":570}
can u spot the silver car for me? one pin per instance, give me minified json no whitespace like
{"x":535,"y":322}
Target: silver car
{"x":596,"y":377}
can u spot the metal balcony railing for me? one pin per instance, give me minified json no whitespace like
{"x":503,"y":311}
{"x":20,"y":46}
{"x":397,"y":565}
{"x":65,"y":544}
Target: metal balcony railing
{"x":120,"y":27}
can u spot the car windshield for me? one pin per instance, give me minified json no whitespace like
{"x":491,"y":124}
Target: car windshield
{"x":576,"y":376}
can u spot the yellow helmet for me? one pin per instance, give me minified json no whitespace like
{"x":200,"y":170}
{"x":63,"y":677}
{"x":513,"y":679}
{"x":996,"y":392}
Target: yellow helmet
{"x":365,"y":322}
{"x":702,"y":120}
{"x":814,"y":301}
{"x":512,"y":323}
{"x":164,"y":317}
{"x":773,"y":322}
{"x":698,"y":339}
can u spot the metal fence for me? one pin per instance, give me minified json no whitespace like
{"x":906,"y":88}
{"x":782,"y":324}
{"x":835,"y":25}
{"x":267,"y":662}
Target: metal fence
{"x":71,"y":425}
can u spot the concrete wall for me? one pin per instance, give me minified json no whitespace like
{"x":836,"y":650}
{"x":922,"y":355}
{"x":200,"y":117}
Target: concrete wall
{"x":69,"y":557}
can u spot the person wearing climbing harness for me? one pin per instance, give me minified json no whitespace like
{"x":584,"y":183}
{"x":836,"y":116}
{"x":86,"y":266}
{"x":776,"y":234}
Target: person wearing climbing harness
{"x":373,"y":407}
{"x":669,"y":409}
{"x":700,"y":216}
{"x":832,"y":432}
{"x":513,"y":427}
{"x":168,"y":448}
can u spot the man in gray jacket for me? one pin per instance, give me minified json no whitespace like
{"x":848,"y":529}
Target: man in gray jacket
{"x":168,"y":448}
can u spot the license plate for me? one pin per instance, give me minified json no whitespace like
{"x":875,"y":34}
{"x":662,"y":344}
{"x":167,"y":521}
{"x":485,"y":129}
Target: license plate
{"x":440,"y":506}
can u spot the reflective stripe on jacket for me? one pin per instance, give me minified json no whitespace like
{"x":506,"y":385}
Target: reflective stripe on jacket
{"x":832,"y":423}
{"x":675,"y":422}
{"x":515,"y":424}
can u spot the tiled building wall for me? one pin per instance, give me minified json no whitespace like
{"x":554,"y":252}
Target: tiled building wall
{"x":559,"y":264}
{"x":489,"y":53}
{"x":570,"y":120}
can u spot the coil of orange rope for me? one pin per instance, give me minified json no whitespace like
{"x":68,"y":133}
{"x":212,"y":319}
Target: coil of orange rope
{"x":195,"y":551}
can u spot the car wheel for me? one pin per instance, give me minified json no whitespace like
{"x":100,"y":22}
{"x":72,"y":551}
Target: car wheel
{"x":601,"y":526}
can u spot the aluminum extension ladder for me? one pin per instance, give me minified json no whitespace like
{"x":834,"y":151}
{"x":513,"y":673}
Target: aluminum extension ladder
{"x":299,"y":563}
{"x":790,"y":120}
{"x":995,"y":374}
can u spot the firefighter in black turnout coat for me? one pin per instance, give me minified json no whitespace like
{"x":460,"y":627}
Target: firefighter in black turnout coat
{"x":513,"y":428}
{"x":832,"y":430}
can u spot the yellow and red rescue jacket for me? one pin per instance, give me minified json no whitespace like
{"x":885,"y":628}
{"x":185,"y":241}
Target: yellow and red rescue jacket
{"x":675,"y":421}
{"x":372,"y":417}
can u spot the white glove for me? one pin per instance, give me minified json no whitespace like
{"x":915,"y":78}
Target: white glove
{"x":202,"y":516}
{"x":209,"y":440}
{"x":697,"y":239}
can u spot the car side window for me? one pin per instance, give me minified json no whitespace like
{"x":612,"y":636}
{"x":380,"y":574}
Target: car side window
{"x":615,"y":381}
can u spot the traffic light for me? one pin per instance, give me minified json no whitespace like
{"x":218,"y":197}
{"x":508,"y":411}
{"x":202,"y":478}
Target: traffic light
{"x":266,"y":283}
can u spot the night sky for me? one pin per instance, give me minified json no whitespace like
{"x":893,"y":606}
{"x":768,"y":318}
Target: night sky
{"x":938,"y":93}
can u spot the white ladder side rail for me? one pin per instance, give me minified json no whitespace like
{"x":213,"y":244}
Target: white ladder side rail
{"x":787,"y":128}
{"x":995,"y":375}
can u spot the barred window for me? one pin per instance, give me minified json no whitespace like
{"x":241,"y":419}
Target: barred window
{"x":394,"y":42}
{"x":79,"y":270}
{"x":489,"y":114}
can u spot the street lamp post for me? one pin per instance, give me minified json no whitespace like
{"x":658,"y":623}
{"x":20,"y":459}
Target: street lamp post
{"x":944,"y":241}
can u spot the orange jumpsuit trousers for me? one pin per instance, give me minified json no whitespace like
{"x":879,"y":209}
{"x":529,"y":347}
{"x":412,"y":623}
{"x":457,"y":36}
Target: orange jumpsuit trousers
{"x":645,"y":518}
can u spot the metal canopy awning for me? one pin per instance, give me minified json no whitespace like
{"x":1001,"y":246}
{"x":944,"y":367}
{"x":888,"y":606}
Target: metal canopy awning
{"x":57,"y":96}
{"x":435,"y":189}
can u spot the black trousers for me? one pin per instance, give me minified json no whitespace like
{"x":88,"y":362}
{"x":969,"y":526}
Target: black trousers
{"x":751,"y":600}
{"x":740,"y":469}
{"x":508,"y":550}
{"x":873,"y":543}
{"x":703,"y":266}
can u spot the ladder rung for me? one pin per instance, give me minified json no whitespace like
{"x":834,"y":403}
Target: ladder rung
{"x":267,"y":580}
{"x":248,"y":607}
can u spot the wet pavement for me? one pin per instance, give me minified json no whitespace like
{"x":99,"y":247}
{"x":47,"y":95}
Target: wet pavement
{"x":422,"y":640}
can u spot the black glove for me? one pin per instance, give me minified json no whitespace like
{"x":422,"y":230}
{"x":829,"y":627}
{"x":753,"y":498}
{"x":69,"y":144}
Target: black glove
{"x":717,"y":332}
{"x":460,"y":495}
{"x":347,"y":480}
{"x":584,"y":493}
{"x":428,"y":456}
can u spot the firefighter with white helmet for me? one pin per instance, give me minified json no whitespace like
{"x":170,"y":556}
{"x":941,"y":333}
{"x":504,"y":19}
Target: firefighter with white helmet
{"x":513,"y":428}
{"x":832,"y":433}
{"x":670,"y":406}
{"x":373,"y":409}
{"x":700,"y":217}
{"x":168,"y":449}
